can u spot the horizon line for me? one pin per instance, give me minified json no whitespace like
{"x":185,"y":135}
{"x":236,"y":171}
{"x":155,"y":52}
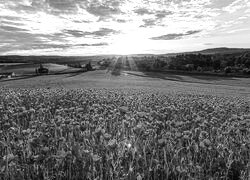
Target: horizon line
{"x":169,"y":53}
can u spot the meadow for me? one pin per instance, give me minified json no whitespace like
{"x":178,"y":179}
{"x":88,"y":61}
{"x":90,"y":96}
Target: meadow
{"x":30,"y":68}
{"x":98,"y":133}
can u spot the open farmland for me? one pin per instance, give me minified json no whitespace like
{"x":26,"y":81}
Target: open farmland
{"x":123,"y":73}
{"x":120,"y":123}
{"x":29,"y":68}
{"x":122,"y":134}
{"x":124,"y":90}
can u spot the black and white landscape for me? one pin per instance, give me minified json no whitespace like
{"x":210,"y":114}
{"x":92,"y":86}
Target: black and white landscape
{"x":108,"y":89}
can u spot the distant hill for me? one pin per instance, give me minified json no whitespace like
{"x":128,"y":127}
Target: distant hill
{"x":219,"y":50}
{"x":85,"y":59}
{"x":50,"y":59}
{"x":224,"y":50}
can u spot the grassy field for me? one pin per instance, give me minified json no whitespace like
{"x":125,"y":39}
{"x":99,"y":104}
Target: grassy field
{"x":29,"y":68}
{"x":117,"y":124}
{"x":136,"y":80}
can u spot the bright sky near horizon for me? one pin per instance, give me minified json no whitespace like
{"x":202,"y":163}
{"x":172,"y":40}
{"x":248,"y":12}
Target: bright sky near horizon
{"x":92,"y":27}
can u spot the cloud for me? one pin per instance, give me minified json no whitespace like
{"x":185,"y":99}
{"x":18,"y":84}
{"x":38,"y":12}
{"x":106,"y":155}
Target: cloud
{"x":163,"y":14}
{"x":63,"y":46}
{"x":32,"y":46}
{"x":11,"y":28}
{"x":10,"y":34}
{"x":142,"y":11}
{"x":104,"y":10}
{"x":81,"y":21}
{"x":208,"y":44}
{"x":11,"y":18}
{"x":6,"y":22}
{"x":25,"y":5}
{"x":192,"y":32}
{"x":62,"y":5}
{"x":50,"y":6}
{"x":121,"y":20}
{"x":235,"y":6}
{"x":156,"y":20}
{"x":75,"y":33}
{"x":102,"y":32}
{"x":175,"y":36}
{"x":148,"y":22}
{"x":168,"y":37}
{"x":66,"y":24}
{"x":38,"y":46}
{"x":219,"y":4}
{"x":46,"y":46}
{"x":96,"y":44}
{"x":101,"y":8}
{"x":20,"y":36}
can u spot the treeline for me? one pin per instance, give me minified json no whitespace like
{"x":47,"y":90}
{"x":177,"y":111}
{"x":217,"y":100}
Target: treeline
{"x":47,"y":59}
{"x":216,"y":63}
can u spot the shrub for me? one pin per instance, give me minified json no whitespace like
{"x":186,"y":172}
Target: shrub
{"x":228,"y":69}
{"x":246,"y":71}
{"x":199,"y":69}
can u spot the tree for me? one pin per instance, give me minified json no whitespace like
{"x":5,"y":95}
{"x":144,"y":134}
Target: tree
{"x":246,"y":71}
{"x":247,"y":63}
{"x":228,"y":69}
{"x":199,"y":69}
{"x":216,"y":64}
{"x":89,"y":66}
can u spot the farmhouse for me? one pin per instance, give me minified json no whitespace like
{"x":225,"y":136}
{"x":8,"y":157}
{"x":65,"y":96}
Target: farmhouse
{"x":7,"y":75}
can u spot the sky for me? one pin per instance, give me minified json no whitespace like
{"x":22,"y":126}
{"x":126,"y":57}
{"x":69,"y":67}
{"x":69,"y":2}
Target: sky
{"x":96,"y":27}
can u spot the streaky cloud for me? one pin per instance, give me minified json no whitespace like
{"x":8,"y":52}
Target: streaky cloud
{"x":142,"y":11}
{"x":96,"y":44}
{"x":102,"y":32}
{"x":175,"y":36}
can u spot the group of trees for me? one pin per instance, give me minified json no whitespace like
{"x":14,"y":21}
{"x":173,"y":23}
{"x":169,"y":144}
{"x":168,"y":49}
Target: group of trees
{"x":104,"y":63}
{"x":226,"y":63}
{"x":87,"y":67}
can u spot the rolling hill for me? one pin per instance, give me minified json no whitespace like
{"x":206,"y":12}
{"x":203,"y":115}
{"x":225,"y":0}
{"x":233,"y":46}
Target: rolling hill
{"x":224,"y":50}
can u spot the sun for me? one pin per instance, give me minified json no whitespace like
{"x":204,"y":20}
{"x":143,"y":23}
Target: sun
{"x":128,"y":44}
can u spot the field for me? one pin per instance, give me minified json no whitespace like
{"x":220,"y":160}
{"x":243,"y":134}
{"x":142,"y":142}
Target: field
{"x":29,"y":68}
{"x":124,"y":124}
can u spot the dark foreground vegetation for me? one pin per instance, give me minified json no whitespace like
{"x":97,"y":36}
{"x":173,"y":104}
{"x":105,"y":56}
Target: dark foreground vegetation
{"x":122,"y":134}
